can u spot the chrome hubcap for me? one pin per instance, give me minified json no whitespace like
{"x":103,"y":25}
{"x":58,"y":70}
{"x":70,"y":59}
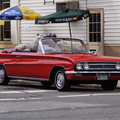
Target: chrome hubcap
{"x":60,"y":80}
{"x":2,"y":74}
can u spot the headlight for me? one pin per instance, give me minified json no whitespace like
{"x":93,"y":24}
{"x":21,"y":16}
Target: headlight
{"x":86,"y":66}
{"x":118,"y":66}
{"x":79,"y":66}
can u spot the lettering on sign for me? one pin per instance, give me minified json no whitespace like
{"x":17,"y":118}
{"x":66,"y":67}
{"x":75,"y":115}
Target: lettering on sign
{"x":43,"y":21}
{"x":12,"y":12}
{"x":63,"y":19}
{"x":28,"y":12}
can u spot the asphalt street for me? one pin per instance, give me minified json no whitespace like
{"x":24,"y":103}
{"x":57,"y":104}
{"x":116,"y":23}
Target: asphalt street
{"x":30,"y":101}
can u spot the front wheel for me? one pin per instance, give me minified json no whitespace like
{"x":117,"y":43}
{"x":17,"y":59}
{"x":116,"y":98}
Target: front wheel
{"x":109,"y":85}
{"x":61,"y":83}
{"x":4,"y":80}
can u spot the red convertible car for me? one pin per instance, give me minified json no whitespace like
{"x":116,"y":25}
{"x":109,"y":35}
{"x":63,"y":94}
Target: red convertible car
{"x":60,"y":61}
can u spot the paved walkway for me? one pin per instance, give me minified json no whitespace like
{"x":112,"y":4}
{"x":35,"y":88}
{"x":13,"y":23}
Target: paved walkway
{"x":22,"y":82}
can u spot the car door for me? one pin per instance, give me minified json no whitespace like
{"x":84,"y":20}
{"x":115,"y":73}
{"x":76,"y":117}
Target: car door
{"x":9,"y":62}
{"x":29,"y":65}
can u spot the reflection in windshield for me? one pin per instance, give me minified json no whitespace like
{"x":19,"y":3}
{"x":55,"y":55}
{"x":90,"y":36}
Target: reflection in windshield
{"x":58,"y":45}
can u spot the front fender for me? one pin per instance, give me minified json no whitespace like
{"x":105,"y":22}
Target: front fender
{"x":54,"y":63}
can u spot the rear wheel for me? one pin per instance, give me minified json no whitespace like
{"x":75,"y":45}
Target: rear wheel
{"x":61,"y":83}
{"x":109,"y":85}
{"x":4,"y":80}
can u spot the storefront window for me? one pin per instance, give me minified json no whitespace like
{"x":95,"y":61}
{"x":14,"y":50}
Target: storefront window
{"x":64,"y":5}
{"x":5,"y":33}
{"x":95,"y":27}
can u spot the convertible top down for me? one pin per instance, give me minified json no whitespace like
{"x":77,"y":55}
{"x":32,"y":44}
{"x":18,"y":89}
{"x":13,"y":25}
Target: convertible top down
{"x":60,"y":61}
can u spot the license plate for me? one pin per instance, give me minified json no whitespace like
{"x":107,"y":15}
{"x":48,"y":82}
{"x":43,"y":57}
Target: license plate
{"x":102,"y":76}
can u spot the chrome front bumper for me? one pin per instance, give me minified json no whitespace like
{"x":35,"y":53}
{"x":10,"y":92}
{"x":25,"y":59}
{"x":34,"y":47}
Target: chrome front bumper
{"x":91,"y":72}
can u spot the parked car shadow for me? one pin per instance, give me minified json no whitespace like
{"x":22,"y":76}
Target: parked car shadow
{"x":25,"y":85}
{"x":33,"y":85}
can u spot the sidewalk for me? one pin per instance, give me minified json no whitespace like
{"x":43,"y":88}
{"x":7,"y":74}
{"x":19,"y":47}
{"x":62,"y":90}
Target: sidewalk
{"x":36,"y":83}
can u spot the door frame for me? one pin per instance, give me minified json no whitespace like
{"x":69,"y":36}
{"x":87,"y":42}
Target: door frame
{"x":98,"y":47}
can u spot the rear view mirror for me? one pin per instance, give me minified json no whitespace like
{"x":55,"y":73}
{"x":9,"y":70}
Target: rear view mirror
{"x":92,"y":51}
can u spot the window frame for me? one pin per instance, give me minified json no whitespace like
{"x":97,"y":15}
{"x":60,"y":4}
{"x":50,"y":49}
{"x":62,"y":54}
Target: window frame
{"x":5,"y":29}
{"x":63,"y":5}
{"x":95,"y":11}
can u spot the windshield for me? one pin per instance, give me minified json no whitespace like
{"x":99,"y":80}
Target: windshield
{"x":56,"y":45}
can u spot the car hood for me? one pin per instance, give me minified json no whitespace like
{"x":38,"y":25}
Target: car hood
{"x":88,"y":57}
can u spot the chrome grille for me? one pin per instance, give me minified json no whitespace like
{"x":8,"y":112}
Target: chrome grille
{"x":102,"y":65}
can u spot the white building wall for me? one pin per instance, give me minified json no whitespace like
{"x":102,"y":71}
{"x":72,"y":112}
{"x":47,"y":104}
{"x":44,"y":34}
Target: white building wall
{"x":111,"y":18}
{"x":29,"y":30}
{"x":14,"y":25}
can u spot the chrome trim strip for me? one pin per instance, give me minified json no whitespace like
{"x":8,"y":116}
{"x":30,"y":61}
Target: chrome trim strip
{"x":41,"y":46}
{"x":79,"y":72}
{"x":101,"y":69}
{"x":28,"y":78}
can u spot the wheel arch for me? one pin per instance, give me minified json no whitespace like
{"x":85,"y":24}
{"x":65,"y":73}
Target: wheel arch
{"x":53,"y":72}
{"x":4,"y":79}
{"x":2,"y":65}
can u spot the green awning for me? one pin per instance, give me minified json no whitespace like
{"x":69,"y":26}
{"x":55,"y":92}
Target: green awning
{"x":67,"y":15}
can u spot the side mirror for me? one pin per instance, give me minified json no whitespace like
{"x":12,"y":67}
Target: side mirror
{"x":92,"y":51}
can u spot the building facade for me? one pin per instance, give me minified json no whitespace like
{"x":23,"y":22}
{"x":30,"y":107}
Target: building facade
{"x":100,"y":31}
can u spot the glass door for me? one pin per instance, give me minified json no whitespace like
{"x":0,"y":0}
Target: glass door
{"x":95,"y":31}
